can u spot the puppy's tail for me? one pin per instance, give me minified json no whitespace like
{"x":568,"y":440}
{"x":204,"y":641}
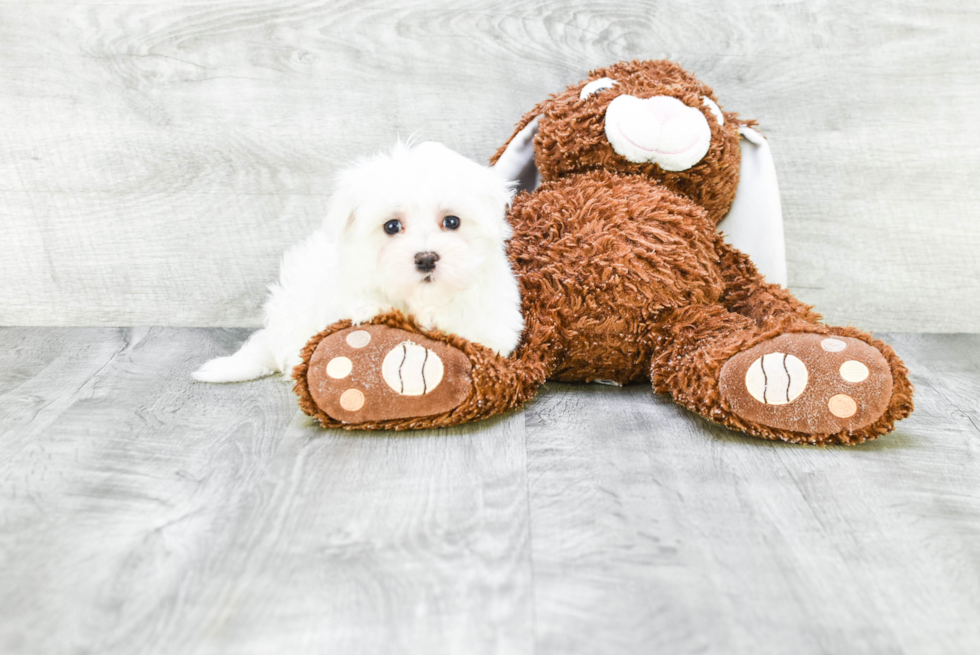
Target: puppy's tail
{"x":253,"y":360}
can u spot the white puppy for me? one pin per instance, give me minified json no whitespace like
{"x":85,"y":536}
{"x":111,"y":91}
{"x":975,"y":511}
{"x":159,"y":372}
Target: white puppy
{"x":421,"y":230}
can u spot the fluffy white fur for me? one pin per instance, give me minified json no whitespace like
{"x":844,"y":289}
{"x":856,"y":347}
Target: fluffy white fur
{"x":350,"y":268}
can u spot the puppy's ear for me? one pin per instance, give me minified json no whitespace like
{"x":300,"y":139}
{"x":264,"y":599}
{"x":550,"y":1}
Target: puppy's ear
{"x":498,"y":191}
{"x":515,"y":161}
{"x":340,"y":213}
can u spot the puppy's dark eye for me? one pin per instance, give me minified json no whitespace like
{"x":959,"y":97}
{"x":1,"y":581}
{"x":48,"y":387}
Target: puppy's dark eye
{"x":450,"y":222}
{"x":394,"y":226}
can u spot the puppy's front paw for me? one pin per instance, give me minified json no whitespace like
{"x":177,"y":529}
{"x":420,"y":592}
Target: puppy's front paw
{"x":373,"y":373}
{"x":364,"y":313}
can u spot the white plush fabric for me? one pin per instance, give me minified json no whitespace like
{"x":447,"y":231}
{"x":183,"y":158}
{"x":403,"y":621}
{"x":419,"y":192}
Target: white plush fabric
{"x":661,"y":129}
{"x":754,"y":224}
{"x":517,"y":162}
{"x":595,"y":86}
{"x":714,"y":109}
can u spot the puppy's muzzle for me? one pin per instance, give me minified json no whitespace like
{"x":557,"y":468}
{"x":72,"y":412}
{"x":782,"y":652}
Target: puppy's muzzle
{"x":426,"y":261}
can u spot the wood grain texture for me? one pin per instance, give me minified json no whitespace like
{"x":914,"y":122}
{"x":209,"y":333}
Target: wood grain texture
{"x":655,"y":531}
{"x":141,"y":512}
{"x":157,"y":159}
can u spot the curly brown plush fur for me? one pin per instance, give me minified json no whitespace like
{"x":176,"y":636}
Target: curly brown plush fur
{"x":624,"y":278}
{"x":571,"y":137}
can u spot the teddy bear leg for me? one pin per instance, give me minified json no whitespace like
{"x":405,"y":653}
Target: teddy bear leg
{"x":803,"y":383}
{"x":747,"y":292}
{"x":391,"y":374}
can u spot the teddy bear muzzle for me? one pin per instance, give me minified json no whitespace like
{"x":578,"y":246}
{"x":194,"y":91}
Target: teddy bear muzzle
{"x":662,"y":130}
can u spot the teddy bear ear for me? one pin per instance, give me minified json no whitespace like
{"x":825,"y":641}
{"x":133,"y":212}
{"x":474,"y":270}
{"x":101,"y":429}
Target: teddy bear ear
{"x":754,"y":224}
{"x":515,"y":161}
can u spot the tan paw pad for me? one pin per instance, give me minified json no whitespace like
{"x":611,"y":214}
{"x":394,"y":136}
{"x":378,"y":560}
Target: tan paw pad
{"x":808,"y":383}
{"x":842,"y":406}
{"x":375,"y":373}
{"x":352,"y":400}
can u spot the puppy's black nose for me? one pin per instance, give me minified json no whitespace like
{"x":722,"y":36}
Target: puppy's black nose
{"x":426,"y":261}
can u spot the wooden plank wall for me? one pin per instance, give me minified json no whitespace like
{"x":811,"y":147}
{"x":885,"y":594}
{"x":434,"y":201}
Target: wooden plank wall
{"x":156,"y":158}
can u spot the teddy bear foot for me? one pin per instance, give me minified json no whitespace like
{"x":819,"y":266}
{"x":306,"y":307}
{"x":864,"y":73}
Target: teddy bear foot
{"x":809,"y":383}
{"x":373,"y":373}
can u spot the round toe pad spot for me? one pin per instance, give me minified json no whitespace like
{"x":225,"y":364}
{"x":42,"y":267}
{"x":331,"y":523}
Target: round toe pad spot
{"x":842,"y":406}
{"x":854,"y":371}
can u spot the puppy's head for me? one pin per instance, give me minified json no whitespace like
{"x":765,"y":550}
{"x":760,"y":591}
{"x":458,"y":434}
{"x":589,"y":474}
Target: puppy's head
{"x":419,"y":221}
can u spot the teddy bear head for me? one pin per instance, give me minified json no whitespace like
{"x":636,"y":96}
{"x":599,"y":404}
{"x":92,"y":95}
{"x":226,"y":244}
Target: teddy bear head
{"x":649,"y":118}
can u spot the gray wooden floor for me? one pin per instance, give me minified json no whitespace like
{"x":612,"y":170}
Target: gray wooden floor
{"x":143,"y":513}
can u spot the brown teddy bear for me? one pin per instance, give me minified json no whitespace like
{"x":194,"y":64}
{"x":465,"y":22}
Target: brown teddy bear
{"x":624,"y":278}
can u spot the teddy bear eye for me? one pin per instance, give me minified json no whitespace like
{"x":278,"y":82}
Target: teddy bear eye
{"x":595,"y":86}
{"x":394,"y":226}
